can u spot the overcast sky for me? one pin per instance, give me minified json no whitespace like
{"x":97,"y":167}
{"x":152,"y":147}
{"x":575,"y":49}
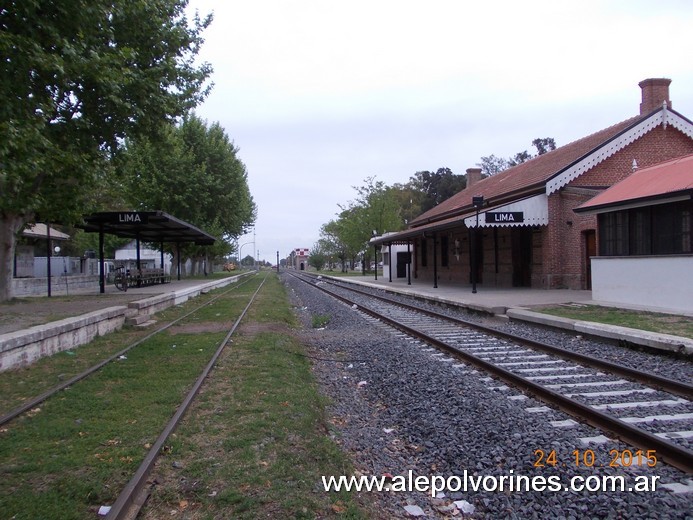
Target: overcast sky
{"x":319,"y":95}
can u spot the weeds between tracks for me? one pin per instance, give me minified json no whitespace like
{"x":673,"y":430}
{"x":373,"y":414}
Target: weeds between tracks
{"x":255,"y":443}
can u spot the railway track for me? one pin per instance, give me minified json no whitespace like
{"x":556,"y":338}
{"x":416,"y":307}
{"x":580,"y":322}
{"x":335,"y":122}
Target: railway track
{"x":649,"y":412}
{"x":133,"y":495}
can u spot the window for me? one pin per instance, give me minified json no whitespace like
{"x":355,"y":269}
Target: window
{"x":424,"y":253}
{"x":640,"y":236}
{"x":663,"y":229}
{"x":613,"y":233}
{"x":444,"y":246}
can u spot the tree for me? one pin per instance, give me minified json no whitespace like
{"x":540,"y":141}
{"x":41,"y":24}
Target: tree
{"x":544,"y":145}
{"x":318,"y":257}
{"x":193,"y":172}
{"x":491,"y":165}
{"x":77,"y":78}
{"x":437,"y":187}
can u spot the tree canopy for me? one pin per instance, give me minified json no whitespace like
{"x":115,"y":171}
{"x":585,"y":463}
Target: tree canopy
{"x":436,"y":186}
{"x":193,"y":172}
{"x":490,"y":165}
{"x":78,"y":78}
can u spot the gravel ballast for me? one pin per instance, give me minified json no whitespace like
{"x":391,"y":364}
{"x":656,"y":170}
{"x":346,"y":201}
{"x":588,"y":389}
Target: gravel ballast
{"x":400,"y":408}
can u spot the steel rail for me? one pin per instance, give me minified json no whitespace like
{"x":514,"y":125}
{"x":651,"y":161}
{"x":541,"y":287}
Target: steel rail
{"x":131,"y":499}
{"x":669,"y":385}
{"x":28,"y":405}
{"x":673,"y":454}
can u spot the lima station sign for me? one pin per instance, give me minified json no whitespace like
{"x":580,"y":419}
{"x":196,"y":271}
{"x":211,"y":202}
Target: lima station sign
{"x":504,"y":217}
{"x":130,"y":217}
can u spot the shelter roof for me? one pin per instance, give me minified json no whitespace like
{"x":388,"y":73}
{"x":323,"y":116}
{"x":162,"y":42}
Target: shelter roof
{"x":660,"y":182}
{"x":148,"y":226}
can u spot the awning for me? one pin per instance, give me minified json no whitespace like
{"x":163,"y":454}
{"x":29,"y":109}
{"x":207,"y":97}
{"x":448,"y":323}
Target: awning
{"x":532,"y":211}
{"x":402,"y":237}
{"x":663,"y":183}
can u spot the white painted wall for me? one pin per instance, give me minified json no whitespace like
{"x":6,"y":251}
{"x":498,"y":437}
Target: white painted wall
{"x":150,"y":257}
{"x":391,"y":263}
{"x":664,"y":282}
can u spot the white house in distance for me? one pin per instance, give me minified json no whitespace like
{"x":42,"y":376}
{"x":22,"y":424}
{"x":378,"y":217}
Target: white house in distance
{"x":396,"y":260}
{"x":645,"y":238}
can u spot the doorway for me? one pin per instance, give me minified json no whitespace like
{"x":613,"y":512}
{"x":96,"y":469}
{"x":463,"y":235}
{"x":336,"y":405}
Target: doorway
{"x":521,"y":244}
{"x":590,"y":251}
{"x":402,"y":261}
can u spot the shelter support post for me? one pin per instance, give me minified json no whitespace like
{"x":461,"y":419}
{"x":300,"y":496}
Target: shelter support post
{"x":408,"y":262}
{"x":102,"y":263}
{"x":49,"y":254}
{"x":178,"y":258}
{"x":435,"y":260}
{"x":389,"y":260}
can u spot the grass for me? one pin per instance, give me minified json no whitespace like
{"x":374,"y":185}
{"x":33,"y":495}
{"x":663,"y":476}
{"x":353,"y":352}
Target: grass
{"x":320,"y":320}
{"x":20,"y":384}
{"x":255,"y":443}
{"x":650,"y":321}
{"x":76,"y":450}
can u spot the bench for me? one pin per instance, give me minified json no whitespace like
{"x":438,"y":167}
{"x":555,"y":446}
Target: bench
{"x":148,"y":277}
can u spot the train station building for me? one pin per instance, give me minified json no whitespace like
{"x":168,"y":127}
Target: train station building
{"x":518,"y":228}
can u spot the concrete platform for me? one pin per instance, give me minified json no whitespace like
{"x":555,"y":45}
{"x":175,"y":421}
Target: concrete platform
{"x":517,"y":304}
{"x":88,"y":315}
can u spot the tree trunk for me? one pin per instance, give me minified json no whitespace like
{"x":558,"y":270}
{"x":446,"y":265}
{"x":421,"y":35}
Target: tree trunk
{"x":9,"y":226}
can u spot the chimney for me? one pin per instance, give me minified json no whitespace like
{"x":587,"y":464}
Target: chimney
{"x":655,"y":91}
{"x":473,"y":176}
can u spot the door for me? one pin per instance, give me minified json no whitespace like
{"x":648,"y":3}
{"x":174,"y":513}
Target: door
{"x":402,"y":261}
{"x":521,"y":243}
{"x":590,"y":251}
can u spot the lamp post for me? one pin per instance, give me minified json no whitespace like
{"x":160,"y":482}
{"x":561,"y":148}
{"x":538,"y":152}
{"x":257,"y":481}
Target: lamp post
{"x":240,"y":253}
{"x":477,"y":202}
{"x":277,"y":262}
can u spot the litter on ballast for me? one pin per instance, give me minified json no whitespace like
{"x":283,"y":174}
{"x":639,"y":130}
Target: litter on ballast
{"x":465,"y":507}
{"x":414,"y":510}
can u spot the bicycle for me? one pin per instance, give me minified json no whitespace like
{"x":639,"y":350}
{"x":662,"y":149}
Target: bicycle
{"x":121,"y":279}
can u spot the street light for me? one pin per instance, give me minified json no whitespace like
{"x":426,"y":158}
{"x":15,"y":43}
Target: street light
{"x":240,"y":253}
{"x":477,"y":202}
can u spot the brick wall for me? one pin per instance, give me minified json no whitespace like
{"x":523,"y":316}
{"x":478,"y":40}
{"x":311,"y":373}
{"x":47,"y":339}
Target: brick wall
{"x":564,"y":252}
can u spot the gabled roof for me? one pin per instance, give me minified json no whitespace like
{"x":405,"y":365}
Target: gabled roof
{"x":662,"y":182}
{"x":549,"y":172}
{"x":40,"y":230}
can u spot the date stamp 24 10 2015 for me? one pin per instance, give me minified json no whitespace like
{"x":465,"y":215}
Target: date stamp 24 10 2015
{"x":588,"y":458}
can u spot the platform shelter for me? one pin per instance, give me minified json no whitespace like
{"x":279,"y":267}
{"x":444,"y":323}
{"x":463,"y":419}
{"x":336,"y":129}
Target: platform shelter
{"x":156,"y":227}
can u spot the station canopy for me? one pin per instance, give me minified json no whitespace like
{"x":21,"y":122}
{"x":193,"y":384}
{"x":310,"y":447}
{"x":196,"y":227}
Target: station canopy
{"x":147,"y":226}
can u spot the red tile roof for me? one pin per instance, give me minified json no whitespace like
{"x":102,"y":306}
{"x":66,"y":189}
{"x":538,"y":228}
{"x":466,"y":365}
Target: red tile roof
{"x":657,"y":181}
{"x":530,"y":176}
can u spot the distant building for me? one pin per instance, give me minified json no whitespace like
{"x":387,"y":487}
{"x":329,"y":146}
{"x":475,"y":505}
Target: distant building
{"x":298,"y":258}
